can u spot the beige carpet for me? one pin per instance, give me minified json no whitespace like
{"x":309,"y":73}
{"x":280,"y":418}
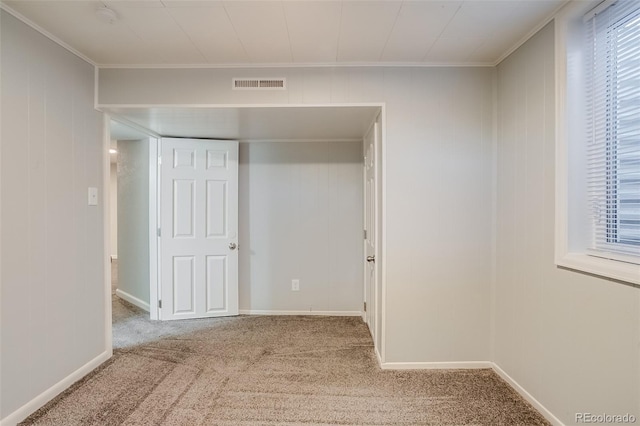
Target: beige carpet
{"x":271,"y":370}
{"x":279,"y":370}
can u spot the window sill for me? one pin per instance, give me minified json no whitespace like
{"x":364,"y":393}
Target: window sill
{"x":620,"y":271}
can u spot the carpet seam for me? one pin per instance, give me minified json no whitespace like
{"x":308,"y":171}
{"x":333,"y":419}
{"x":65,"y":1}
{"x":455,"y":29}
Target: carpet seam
{"x":179,"y":398}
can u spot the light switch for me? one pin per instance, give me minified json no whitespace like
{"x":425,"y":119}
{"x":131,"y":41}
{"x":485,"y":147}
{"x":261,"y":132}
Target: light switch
{"x":93,"y":196}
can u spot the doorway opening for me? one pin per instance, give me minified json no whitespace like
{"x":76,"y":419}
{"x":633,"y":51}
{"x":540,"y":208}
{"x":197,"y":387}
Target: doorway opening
{"x":296,"y":184}
{"x":131,"y":216}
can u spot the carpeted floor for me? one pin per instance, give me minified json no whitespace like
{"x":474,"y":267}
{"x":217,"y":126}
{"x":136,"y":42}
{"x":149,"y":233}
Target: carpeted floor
{"x":252,"y":370}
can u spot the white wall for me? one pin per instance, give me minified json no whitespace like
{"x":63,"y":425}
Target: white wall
{"x":301,"y":217}
{"x":571,"y":340}
{"x":438,"y":180}
{"x":113,"y":193}
{"x":133,"y":221}
{"x":52,"y":294}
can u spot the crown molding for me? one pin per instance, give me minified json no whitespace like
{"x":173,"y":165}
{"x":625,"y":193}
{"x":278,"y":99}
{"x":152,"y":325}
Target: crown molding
{"x":297,"y":66}
{"x":44,"y":32}
{"x":531,"y":33}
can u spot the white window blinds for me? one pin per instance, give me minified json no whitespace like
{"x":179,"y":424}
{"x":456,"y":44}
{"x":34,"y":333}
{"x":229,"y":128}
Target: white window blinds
{"x":613,"y":126}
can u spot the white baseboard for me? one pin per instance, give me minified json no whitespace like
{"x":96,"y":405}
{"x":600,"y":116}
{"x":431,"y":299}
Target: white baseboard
{"x":378,"y":356}
{"x":526,"y":395}
{"x":472,"y":365}
{"x":454,"y":365}
{"x":133,"y":300}
{"x":30,"y":407}
{"x":321,"y":313}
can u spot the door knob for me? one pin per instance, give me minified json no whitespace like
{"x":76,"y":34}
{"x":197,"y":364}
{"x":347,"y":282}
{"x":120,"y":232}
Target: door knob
{"x":232,"y":246}
{"x":371,"y":258}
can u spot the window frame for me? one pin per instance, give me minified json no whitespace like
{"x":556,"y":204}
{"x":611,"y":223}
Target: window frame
{"x":572,"y":227}
{"x":608,"y":178}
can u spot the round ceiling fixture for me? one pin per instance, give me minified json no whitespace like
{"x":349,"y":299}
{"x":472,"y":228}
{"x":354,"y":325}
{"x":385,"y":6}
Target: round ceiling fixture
{"x":106,"y":15}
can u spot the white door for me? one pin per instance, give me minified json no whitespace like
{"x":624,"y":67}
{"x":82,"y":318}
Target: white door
{"x":199,"y":228}
{"x":370,"y":226}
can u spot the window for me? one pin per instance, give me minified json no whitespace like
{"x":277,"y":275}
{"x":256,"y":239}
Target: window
{"x":612,"y":76}
{"x":597,"y":60}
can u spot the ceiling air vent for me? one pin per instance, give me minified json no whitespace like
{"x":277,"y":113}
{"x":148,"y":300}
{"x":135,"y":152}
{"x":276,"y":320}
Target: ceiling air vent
{"x":259,"y":84}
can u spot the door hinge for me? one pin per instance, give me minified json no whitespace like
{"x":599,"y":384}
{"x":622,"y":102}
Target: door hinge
{"x":365,"y":234}
{"x":159,"y":304}
{"x":365,"y":306}
{"x":159,"y":232}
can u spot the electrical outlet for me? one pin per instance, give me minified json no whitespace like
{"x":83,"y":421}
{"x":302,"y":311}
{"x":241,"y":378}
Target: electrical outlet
{"x":295,"y":285}
{"x":93,"y":196}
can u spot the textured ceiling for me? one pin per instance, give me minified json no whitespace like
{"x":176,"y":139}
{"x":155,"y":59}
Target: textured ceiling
{"x":221,"y":33}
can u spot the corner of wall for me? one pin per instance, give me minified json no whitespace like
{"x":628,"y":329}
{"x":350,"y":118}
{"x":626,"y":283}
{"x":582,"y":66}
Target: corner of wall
{"x":494,"y":214}
{"x":527,"y":396}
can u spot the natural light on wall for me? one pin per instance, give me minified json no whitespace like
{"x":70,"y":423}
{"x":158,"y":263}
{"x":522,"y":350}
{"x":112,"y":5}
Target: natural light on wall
{"x":598,"y":140}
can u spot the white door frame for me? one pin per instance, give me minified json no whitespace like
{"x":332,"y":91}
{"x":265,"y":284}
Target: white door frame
{"x":106,"y":230}
{"x":153,"y":239}
{"x":381,"y":213}
{"x":154,"y":226}
{"x":373,"y":228}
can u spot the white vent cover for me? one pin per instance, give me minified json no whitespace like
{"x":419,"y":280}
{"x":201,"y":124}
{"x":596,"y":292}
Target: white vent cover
{"x":259,"y":84}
